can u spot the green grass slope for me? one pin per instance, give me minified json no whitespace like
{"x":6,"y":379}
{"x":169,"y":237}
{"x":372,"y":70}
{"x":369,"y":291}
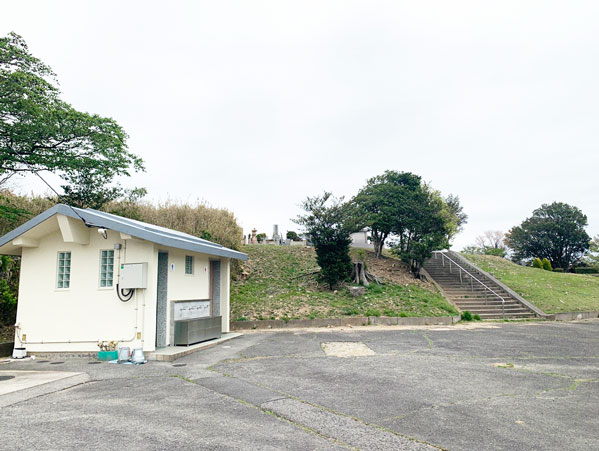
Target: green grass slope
{"x":274,"y":285}
{"x":552,"y":292}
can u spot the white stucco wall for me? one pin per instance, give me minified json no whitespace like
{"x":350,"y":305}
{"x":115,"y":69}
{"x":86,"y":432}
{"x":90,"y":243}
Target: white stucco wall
{"x":75,"y":319}
{"x":84,"y":313}
{"x":360,"y":239}
{"x":182,"y":286}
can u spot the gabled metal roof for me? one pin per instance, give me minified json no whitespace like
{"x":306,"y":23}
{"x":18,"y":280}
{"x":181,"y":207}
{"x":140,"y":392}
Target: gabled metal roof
{"x":142,"y":230}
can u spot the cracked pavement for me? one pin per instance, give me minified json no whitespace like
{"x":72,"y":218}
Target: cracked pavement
{"x":516,"y":386}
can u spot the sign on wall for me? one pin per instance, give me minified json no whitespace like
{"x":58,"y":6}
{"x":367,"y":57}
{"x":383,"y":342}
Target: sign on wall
{"x":191,"y":310}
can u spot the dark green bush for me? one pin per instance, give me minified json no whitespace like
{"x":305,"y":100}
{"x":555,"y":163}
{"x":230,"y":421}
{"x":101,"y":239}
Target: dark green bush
{"x":9,"y":283}
{"x":586,"y":270}
{"x":498,"y":252}
{"x":536,"y":263}
{"x":558,"y":269}
{"x":372,"y":312}
{"x":546,"y":264}
{"x":476,"y":317}
{"x":466,"y":316}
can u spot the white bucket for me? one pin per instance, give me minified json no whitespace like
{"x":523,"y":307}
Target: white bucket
{"x":19,"y":353}
{"x":124,"y":353}
{"x":138,"y":356}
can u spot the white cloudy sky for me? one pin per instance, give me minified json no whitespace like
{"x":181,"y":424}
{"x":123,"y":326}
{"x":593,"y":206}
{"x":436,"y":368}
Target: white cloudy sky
{"x":254,"y":105}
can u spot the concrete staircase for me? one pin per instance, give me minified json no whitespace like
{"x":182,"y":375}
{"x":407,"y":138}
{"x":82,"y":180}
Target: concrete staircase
{"x":470,"y":295}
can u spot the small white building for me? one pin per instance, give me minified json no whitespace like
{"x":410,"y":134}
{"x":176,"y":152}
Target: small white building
{"x":89,"y":276}
{"x":361,"y":240}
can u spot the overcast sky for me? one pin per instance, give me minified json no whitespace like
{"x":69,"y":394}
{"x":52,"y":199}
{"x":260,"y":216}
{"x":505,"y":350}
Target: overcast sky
{"x":252,"y":106}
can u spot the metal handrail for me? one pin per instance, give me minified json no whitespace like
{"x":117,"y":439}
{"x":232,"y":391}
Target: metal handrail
{"x":472,"y":277}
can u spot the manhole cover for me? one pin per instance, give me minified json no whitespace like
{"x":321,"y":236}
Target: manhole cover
{"x":93,"y":363}
{"x":6,"y":378}
{"x":179,"y":364}
{"x":55,"y":363}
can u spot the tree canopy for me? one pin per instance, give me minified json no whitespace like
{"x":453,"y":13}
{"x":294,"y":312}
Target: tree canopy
{"x":429,"y":227}
{"x":40,"y":132}
{"x":328,"y":222}
{"x":385,"y":204}
{"x":592,"y":258}
{"x":399,"y":207}
{"x":554,"y":231}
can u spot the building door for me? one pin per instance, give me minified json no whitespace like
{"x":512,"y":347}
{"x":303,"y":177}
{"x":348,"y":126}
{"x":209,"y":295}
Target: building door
{"x":215,"y":287}
{"x":161,"y":299}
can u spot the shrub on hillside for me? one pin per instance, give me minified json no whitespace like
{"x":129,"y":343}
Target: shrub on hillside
{"x":9,"y":284}
{"x":496,"y":251}
{"x":16,"y":210}
{"x":328,"y":223}
{"x":536,"y":263}
{"x":466,"y":316}
{"x":586,"y":270}
{"x":546,"y":264}
{"x":201,"y":220}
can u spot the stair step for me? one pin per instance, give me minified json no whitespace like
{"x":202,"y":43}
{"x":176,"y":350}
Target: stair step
{"x":480,"y":299}
{"x":469,"y":305}
{"x":511,"y":315}
{"x":498,"y":311}
{"x":470,"y":295}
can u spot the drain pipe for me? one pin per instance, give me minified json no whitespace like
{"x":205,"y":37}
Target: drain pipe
{"x":28,"y":342}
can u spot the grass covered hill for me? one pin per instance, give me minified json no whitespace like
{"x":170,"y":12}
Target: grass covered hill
{"x":552,"y":292}
{"x":278,"y":282}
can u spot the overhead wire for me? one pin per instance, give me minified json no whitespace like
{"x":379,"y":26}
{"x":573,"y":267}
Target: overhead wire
{"x":87,"y":224}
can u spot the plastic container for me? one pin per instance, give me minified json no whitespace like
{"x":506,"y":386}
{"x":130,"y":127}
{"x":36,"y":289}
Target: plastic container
{"x":19,"y":353}
{"x":138,"y":356}
{"x":124,"y":354}
{"x":105,"y":356}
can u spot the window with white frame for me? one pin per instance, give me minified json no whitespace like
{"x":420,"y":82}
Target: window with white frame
{"x":106,"y":268}
{"x":188,"y":264}
{"x":63,"y":279}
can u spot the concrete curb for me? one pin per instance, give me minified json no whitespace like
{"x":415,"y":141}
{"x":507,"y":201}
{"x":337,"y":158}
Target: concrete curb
{"x":43,"y":389}
{"x":351,"y":321}
{"x":175,"y":352}
{"x":572,"y":316}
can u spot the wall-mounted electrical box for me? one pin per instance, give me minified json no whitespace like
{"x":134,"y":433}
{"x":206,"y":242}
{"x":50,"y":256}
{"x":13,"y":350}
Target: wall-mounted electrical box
{"x":133,"y":275}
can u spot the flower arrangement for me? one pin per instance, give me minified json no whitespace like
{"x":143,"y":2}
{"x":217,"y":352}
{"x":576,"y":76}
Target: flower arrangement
{"x":108,"y":345}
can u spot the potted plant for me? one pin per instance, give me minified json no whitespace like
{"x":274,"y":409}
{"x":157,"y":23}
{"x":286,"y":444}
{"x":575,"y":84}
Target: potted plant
{"x":108,"y":350}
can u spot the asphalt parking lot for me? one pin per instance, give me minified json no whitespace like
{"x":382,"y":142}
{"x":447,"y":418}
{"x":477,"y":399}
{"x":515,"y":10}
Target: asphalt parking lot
{"x":513,"y":386}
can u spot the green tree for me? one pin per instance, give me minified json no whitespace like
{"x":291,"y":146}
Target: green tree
{"x":261,"y":237}
{"x":291,"y":235}
{"x":537,"y":263}
{"x":554,"y":231}
{"x":457,"y":218}
{"x":389,"y":204}
{"x":546,"y":264}
{"x":328,"y":222}
{"x":385,"y":203}
{"x":89,"y":191}
{"x":40,"y":132}
{"x":592,"y":258}
{"x":428,"y":227}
